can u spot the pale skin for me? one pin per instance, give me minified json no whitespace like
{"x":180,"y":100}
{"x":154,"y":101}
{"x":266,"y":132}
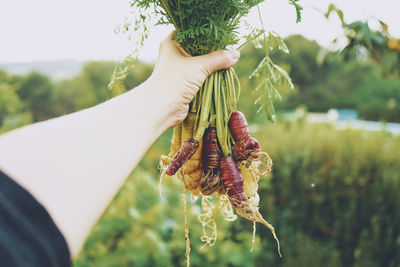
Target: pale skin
{"x":75,"y":164}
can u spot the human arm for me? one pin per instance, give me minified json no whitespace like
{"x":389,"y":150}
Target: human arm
{"x":75,"y":164}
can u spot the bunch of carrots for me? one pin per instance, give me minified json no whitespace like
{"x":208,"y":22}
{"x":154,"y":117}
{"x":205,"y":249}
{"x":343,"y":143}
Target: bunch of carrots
{"x":212,"y":151}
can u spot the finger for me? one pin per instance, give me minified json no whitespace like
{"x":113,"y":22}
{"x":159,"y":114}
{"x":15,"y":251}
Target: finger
{"x":169,"y":46}
{"x":221,"y":59}
{"x":172,"y":45}
{"x":183,"y":51}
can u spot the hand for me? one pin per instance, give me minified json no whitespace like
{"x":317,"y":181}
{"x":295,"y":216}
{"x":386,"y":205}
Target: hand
{"x":183,"y":74}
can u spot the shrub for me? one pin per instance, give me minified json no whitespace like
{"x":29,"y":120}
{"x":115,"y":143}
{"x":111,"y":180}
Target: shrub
{"x":334,"y":198}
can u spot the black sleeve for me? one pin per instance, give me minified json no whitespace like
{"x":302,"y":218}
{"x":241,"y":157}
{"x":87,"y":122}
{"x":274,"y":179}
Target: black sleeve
{"x":28,"y":235}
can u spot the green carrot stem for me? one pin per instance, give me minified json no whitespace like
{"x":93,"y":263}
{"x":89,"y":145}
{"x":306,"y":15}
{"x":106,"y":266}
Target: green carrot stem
{"x":226,"y":104}
{"x":206,"y":99}
{"x":231,"y":99}
{"x":228,"y":91}
{"x":237,"y":87}
{"x":220,"y":120}
{"x":197,"y":101}
{"x":212,"y":113}
{"x":218,"y":112}
{"x":217,"y":100}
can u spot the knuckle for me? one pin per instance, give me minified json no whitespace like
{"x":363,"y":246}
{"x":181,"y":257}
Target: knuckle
{"x":187,"y":96}
{"x":204,"y":70}
{"x":224,"y":58}
{"x":181,"y":114}
{"x":227,"y":58}
{"x":221,"y":53}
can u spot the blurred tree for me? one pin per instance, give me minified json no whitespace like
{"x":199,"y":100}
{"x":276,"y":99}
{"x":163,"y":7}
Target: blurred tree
{"x":138,"y":74}
{"x":321,"y":86}
{"x":91,"y":86}
{"x":379,"y":98}
{"x":13,"y":112}
{"x":9,"y":100}
{"x":333,"y":83}
{"x":36,"y":91}
{"x":363,"y":42}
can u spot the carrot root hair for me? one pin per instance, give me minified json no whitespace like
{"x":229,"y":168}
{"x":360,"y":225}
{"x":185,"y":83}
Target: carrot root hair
{"x":187,"y":239}
{"x":225,"y":206}
{"x":261,"y":165}
{"x":208,"y":223}
{"x":252,"y":213}
{"x":253,"y":240}
{"x":164,"y":162}
{"x":247,"y":208}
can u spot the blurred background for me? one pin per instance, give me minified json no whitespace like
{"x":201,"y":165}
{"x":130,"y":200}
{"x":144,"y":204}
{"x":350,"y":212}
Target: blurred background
{"x":334,"y":192}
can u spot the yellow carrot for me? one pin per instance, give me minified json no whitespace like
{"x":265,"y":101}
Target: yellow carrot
{"x":250,"y":183}
{"x":176,"y":140}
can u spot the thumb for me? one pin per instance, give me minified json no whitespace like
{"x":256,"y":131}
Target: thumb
{"x":221,"y":59}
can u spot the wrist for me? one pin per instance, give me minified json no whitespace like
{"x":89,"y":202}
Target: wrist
{"x":164,"y":98}
{"x":157,"y":98}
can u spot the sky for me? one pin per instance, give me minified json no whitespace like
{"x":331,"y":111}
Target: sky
{"x":46,"y":30}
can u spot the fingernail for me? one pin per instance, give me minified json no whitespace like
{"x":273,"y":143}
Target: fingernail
{"x":235,"y":54}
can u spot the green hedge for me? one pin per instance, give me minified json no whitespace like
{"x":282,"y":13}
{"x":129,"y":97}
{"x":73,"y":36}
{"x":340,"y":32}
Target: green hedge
{"x":333,"y":197}
{"x":340,"y":190}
